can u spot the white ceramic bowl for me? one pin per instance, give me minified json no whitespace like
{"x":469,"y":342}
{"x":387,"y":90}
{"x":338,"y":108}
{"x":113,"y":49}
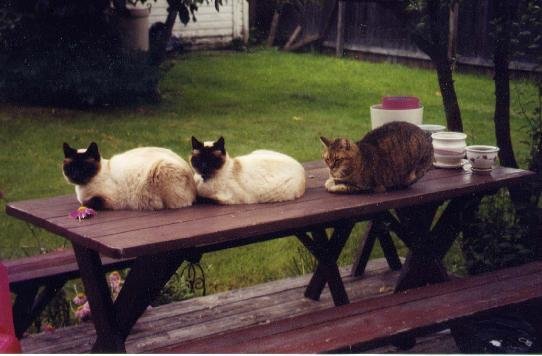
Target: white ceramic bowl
{"x":482,"y":157}
{"x":381,"y":116}
{"x":449,"y":148}
{"x":431,"y":129}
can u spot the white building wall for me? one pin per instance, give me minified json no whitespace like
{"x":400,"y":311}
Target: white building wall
{"x":212,"y":28}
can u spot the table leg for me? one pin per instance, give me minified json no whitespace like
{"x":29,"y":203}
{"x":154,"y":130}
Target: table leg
{"x":327,"y":251}
{"x":429,"y":246}
{"x":22,"y":308}
{"x":99,"y":297}
{"x":29,"y":303}
{"x":424,"y":262}
{"x":420,"y":266}
{"x":147,"y":277}
{"x":114,"y":321}
{"x":376,"y":229}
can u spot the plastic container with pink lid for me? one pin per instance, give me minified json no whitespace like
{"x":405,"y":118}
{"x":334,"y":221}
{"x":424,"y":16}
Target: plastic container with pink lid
{"x":397,"y":108}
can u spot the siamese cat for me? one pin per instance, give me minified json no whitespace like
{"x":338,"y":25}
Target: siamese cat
{"x":145,"y":178}
{"x":259,"y":177}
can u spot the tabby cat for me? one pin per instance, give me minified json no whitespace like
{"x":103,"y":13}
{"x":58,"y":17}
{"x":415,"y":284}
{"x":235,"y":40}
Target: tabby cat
{"x":145,"y":178}
{"x":258,"y":177}
{"x":392,"y":156}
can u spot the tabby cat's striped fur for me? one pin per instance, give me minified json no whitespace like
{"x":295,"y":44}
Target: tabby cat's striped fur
{"x":392,"y":156}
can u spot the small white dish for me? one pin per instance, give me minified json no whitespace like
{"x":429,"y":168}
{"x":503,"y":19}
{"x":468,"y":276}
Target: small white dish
{"x":467,"y":167}
{"x":431,"y":128}
{"x":444,"y":165}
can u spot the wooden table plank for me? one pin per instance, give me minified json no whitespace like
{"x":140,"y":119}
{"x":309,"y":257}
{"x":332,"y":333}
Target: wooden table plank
{"x":131,"y":233}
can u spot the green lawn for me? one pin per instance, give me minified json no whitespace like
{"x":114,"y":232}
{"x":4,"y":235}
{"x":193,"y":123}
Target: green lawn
{"x":262,"y":99}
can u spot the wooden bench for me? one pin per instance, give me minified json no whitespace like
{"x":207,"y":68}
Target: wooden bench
{"x":35,"y":280}
{"x":371,"y":323}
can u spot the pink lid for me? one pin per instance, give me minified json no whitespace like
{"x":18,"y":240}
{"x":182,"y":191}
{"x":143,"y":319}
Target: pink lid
{"x":400,"y":102}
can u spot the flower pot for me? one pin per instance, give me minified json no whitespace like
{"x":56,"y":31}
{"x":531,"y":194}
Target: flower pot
{"x":134,"y":28}
{"x":449,"y":148}
{"x":381,"y":116}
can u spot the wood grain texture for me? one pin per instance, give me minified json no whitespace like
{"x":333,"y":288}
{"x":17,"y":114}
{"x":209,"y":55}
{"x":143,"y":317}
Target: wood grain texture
{"x":372,"y":322}
{"x":39,"y":269}
{"x":181,"y":321}
{"x":121,"y":234}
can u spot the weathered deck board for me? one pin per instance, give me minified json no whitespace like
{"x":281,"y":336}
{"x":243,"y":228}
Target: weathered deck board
{"x":164,"y":325}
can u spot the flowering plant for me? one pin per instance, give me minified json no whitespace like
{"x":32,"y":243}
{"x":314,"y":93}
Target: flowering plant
{"x":82,"y":311}
{"x":82,"y":213}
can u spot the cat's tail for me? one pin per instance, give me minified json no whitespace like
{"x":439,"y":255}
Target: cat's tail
{"x":174,"y":183}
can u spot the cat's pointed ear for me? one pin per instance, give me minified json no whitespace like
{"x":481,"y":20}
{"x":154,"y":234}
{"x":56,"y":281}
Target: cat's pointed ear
{"x":326,"y":142}
{"x":196,"y":145}
{"x":68,"y":151}
{"x":92,"y":151}
{"x":220,"y":145}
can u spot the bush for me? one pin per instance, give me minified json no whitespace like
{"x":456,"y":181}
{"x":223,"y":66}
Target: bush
{"x":101,"y":78}
{"x":69,"y":54}
{"x":495,"y":239}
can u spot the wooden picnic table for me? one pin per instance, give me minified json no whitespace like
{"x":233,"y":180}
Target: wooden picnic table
{"x":161,"y":240}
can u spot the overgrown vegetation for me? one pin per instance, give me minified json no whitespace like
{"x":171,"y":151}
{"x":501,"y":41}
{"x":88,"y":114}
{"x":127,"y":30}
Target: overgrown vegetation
{"x":69,"y":54}
{"x":514,"y":218}
{"x":495,"y":239}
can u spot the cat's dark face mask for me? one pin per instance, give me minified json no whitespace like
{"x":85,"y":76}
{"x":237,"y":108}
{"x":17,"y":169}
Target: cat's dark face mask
{"x":80,"y":167}
{"x":207,"y":159}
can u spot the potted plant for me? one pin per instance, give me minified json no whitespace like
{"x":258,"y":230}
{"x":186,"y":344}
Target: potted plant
{"x":133,"y":21}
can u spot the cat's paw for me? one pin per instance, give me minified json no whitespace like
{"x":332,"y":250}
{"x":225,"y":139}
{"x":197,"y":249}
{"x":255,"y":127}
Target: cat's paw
{"x":330,"y":183}
{"x":339,"y":188}
{"x":198,"y":179}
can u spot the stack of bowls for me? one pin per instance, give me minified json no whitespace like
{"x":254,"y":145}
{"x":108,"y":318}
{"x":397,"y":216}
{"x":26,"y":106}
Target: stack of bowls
{"x":449,"y":148}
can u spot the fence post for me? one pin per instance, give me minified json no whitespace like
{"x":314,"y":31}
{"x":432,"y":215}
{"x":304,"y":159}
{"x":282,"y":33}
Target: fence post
{"x":452,"y":32}
{"x":339,"y":42}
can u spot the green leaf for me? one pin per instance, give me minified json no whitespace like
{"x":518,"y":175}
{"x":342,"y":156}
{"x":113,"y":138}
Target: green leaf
{"x":184,"y":14}
{"x":218,"y":3}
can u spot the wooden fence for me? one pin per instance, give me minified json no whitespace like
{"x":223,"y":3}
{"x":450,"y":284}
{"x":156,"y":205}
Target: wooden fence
{"x":371,"y":28}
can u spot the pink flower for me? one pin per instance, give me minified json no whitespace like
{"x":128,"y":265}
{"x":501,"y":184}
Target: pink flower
{"x":115,"y":283}
{"x":80,"y":299}
{"x":48,"y":327}
{"x":82,"y":213}
{"x":83,"y":312}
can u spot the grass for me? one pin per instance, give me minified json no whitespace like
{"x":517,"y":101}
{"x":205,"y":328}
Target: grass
{"x":261,"y":99}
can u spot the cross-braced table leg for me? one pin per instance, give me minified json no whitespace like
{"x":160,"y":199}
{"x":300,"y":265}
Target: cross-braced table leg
{"x":113,"y":321}
{"x":428,"y":246}
{"x":326,"y":251}
{"x":377,"y":229}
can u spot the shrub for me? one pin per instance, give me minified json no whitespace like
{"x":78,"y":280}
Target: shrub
{"x":495,"y":239}
{"x":69,"y":53}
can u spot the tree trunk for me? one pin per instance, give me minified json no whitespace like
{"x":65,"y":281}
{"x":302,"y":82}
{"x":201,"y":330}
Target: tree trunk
{"x":159,"y":35}
{"x":501,"y":58}
{"x":449,"y":96}
{"x":435,"y":44}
